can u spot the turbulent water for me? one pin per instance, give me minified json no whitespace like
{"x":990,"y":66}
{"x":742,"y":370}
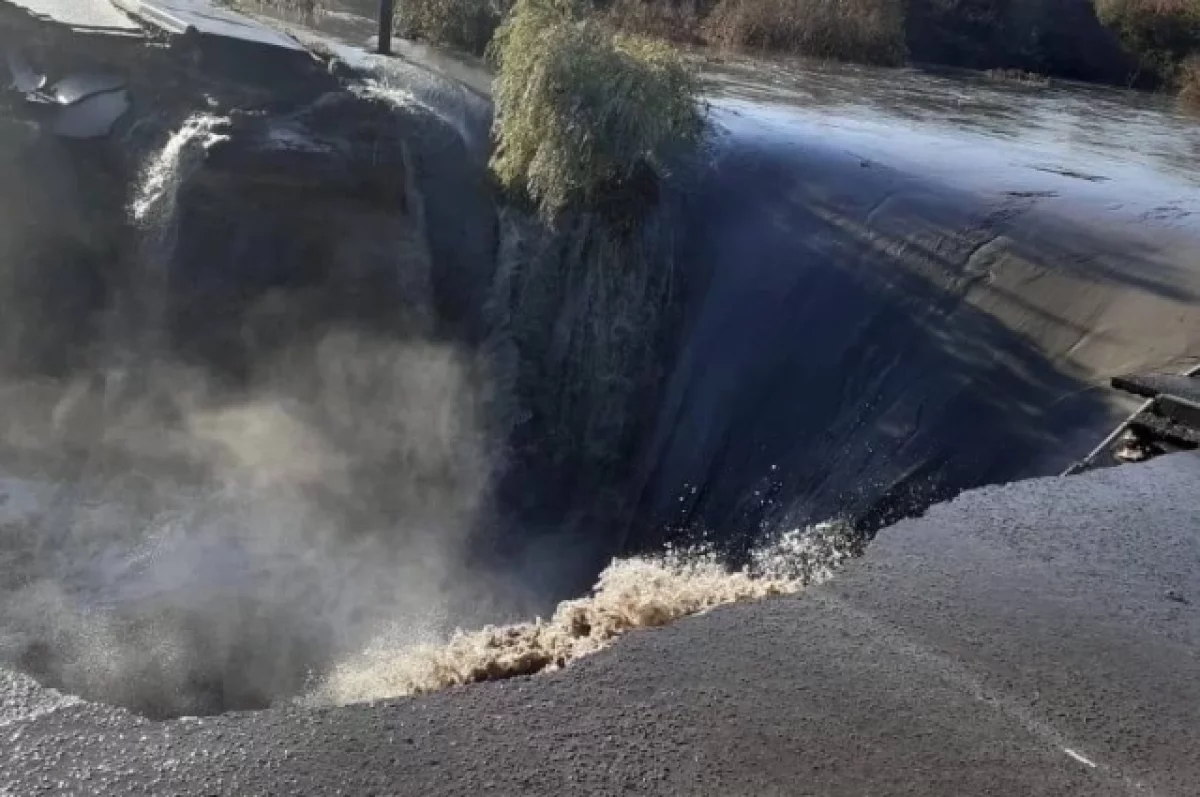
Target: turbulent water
{"x":274,"y":467}
{"x":638,"y":593}
{"x":178,"y":539}
{"x":163,"y":172}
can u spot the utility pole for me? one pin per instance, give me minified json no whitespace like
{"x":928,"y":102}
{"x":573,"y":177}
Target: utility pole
{"x":385,"y":26}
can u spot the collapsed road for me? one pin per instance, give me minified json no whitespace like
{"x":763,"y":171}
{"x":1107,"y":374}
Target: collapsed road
{"x":1037,"y":638}
{"x":1041,"y":638}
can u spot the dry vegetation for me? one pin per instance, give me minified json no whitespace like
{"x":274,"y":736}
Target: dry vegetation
{"x":870,"y":31}
{"x":1189,"y":81}
{"x":466,"y":24}
{"x":670,"y":20}
{"x":867,"y":31}
{"x":1163,"y":35}
{"x":1141,"y":43}
{"x":586,"y":122}
{"x":583,"y":113}
{"x":1018,"y":76}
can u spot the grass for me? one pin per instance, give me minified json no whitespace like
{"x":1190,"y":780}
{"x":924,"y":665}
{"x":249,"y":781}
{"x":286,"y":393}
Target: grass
{"x":584,"y":115}
{"x":1189,"y":81}
{"x":669,"y":20}
{"x":1161,"y":34}
{"x":1142,"y":43}
{"x":1018,"y":76}
{"x":866,"y":31}
{"x":587,"y":120}
{"x":871,"y":31}
{"x":466,"y":24}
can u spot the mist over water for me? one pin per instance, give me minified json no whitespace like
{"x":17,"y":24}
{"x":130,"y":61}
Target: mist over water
{"x":243,"y":462}
{"x":643,"y":592}
{"x":310,"y":514}
{"x":179,"y":543}
{"x":311,"y":523}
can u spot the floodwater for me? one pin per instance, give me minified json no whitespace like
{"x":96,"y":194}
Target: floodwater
{"x":1112,"y":142}
{"x":920,"y":281}
{"x":900,"y":285}
{"x":1096,"y":143}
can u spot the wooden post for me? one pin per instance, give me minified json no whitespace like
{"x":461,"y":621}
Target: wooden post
{"x":385,"y":26}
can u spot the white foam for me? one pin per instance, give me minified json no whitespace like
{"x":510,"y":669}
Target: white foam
{"x":163,"y":169}
{"x":643,"y":592}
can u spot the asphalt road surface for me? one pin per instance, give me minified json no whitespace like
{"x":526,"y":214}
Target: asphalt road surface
{"x":1037,"y":639}
{"x":83,"y":15}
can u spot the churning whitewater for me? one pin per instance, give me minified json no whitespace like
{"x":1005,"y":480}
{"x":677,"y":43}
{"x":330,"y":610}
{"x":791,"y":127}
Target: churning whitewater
{"x":305,"y":515}
{"x":162,"y":173}
{"x":635,"y":593}
{"x":296,"y":407}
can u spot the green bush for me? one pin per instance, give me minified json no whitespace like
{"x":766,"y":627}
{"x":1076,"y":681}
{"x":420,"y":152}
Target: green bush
{"x":466,"y":24}
{"x":582,"y":113}
{"x":868,"y":31}
{"x":1161,"y":34}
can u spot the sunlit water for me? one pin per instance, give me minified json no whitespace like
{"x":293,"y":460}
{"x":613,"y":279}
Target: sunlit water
{"x":960,"y":126}
{"x":1098,"y":145}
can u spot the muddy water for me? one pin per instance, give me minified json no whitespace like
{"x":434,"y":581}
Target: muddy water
{"x":902,"y":284}
{"x":899,"y":285}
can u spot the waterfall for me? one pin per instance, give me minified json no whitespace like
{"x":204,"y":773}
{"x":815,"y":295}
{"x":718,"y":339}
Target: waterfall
{"x":161,"y":176}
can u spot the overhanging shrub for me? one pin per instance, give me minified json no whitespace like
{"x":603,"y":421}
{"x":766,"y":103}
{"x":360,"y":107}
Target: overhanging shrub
{"x":582,"y":113}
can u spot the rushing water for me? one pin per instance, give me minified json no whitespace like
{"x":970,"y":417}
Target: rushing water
{"x":972,"y":130}
{"x":934,"y":118}
{"x":898,"y":285}
{"x":921,"y":282}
